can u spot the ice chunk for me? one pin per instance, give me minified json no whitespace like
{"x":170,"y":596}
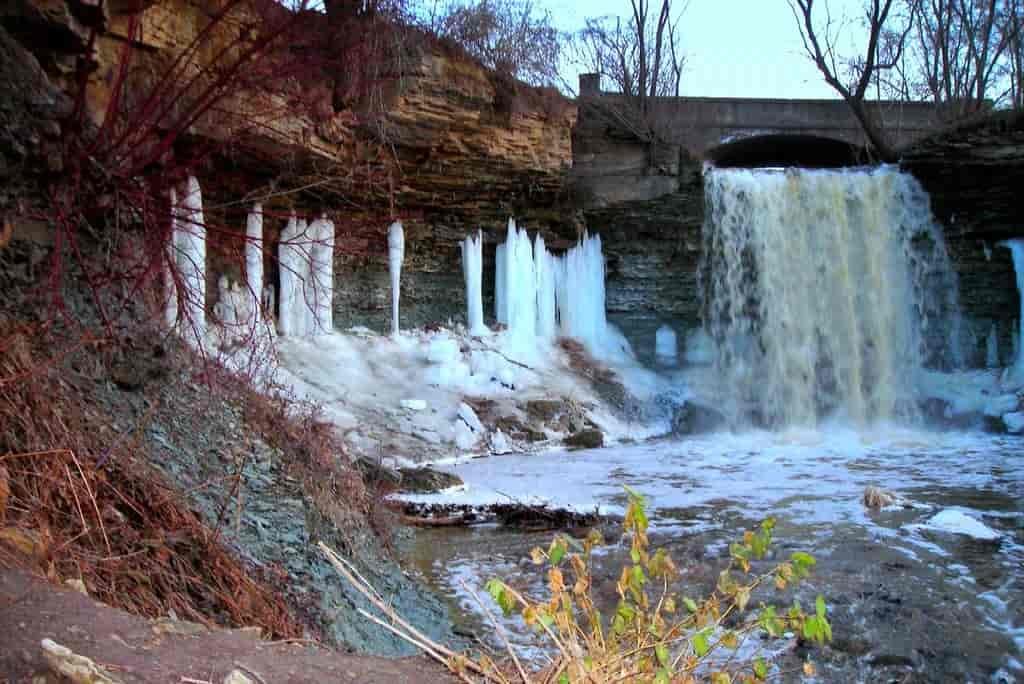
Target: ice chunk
{"x":700,"y":348}
{"x":443,"y":350}
{"x":468,"y":415}
{"x":413,"y":404}
{"x":997,"y":406}
{"x":465,"y":437}
{"x":665,"y":344}
{"x":960,"y":523}
{"x":1014,"y":422}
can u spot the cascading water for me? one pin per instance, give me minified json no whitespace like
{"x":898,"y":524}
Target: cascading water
{"x":824,"y":293}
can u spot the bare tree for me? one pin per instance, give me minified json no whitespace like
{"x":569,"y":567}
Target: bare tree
{"x":964,"y":53}
{"x":513,"y":37}
{"x":1015,"y":63}
{"x":888,"y":24}
{"x":641,"y":57}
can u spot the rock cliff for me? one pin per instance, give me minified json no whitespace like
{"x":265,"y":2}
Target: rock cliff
{"x":974,"y":174}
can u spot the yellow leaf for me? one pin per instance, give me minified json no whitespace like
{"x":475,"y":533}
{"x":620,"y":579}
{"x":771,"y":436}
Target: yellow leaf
{"x":809,"y":669}
{"x":537,"y":556}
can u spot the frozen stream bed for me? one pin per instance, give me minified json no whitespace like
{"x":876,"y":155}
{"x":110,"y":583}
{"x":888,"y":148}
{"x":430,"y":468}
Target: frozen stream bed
{"x":929,"y":591}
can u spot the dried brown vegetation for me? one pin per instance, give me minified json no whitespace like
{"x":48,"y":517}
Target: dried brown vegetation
{"x":80,"y":502}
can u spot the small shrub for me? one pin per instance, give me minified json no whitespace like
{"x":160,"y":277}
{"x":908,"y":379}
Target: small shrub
{"x":656,"y":635}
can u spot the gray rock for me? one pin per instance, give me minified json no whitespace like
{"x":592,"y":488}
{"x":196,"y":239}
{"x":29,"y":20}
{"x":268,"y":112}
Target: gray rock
{"x":589,"y":438}
{"x":694,"y":419}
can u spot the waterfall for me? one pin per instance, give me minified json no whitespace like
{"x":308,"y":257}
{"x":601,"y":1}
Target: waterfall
{"x":1016,"y":247}
{"x":820,"y":289}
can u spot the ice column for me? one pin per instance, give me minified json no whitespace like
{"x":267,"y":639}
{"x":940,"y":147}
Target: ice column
{"x":544,"y":264}
{"x":187,"y":256}
{"x":322,"y":263}
{"x":1016,"y":247}
{"x":580,"y":293}
{"x":172,"y":272}
{"x":520,"y":282}
{"x":472,"y":271}
{"x":396,"y":253}
{"x":254,"y":261}
{"x":289,"y":260}
{"x":666,"y":348}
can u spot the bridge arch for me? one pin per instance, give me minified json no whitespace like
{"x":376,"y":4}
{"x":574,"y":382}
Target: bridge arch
{"x":786,"y":149}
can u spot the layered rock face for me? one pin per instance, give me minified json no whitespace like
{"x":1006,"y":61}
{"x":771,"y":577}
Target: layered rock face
{"x":975,"y":175}
{"x":429,"y":137}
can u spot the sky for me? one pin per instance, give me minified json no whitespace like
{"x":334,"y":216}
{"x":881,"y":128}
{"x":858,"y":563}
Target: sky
{"x":734,"y":48}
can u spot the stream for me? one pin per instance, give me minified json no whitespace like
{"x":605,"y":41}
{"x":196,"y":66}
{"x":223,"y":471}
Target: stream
{"x":911,"y":597}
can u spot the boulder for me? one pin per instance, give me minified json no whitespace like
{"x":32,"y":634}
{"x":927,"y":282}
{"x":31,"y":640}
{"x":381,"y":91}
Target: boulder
{"x":426,"y":480}
{"x":544,"y":410}
{"x":694,"y":419}
{"x":589,"y":438}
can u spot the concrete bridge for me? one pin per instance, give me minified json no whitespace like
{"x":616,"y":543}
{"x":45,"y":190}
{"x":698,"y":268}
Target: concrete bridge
{"x":706,"y":126}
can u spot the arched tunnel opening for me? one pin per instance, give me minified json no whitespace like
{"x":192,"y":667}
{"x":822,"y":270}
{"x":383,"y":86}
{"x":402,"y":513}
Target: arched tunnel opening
{"x":781,"y":150}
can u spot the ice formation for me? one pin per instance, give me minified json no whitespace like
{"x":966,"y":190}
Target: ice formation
{"x":396,"y":253}
{"x":472,"y":271}
{"x":305,"y":257}
{"x":538,"y":295}
{"x":957,"y":522}
{"x":254,"y":261}
{"x":322,"y":264}
{"x":665,"y":345}
{"x":1016,"y":247}
{"x":186,"y":275}
{"x":545,"y":265}
{"x":992,"y":348}
{"x":824,"y":290}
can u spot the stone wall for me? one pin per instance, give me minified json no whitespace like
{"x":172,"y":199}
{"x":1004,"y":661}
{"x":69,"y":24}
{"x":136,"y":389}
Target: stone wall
{"x":975,"y":176}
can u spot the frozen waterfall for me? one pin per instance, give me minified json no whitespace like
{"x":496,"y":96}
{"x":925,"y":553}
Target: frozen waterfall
{"x":825,"y":291}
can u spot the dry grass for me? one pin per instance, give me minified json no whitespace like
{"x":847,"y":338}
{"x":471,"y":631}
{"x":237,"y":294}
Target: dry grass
{"x":80,"y":502}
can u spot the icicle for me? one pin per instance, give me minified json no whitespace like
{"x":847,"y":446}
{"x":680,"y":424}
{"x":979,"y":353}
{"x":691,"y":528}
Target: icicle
{"x":472,"y":271}
{"x":396,"y":253}
{"x":992,"y":348}
{"x":580,"y":294}
{"x":254,"y":262}
{"x":666,"y":348}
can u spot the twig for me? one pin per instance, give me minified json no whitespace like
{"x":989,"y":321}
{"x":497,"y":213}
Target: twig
{"x":499,"y":629}
{"x":249,"y":670}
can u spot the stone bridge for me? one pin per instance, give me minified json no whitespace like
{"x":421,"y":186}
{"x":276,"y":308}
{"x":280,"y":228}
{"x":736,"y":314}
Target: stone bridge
{"x":610,"y":164}
{"x":703,"y":124}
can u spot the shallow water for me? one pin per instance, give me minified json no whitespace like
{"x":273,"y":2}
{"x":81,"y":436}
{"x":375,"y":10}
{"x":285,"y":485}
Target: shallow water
{"x":908,"y":601}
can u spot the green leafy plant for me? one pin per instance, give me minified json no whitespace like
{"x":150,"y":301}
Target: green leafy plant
{"x":654,"y":634}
